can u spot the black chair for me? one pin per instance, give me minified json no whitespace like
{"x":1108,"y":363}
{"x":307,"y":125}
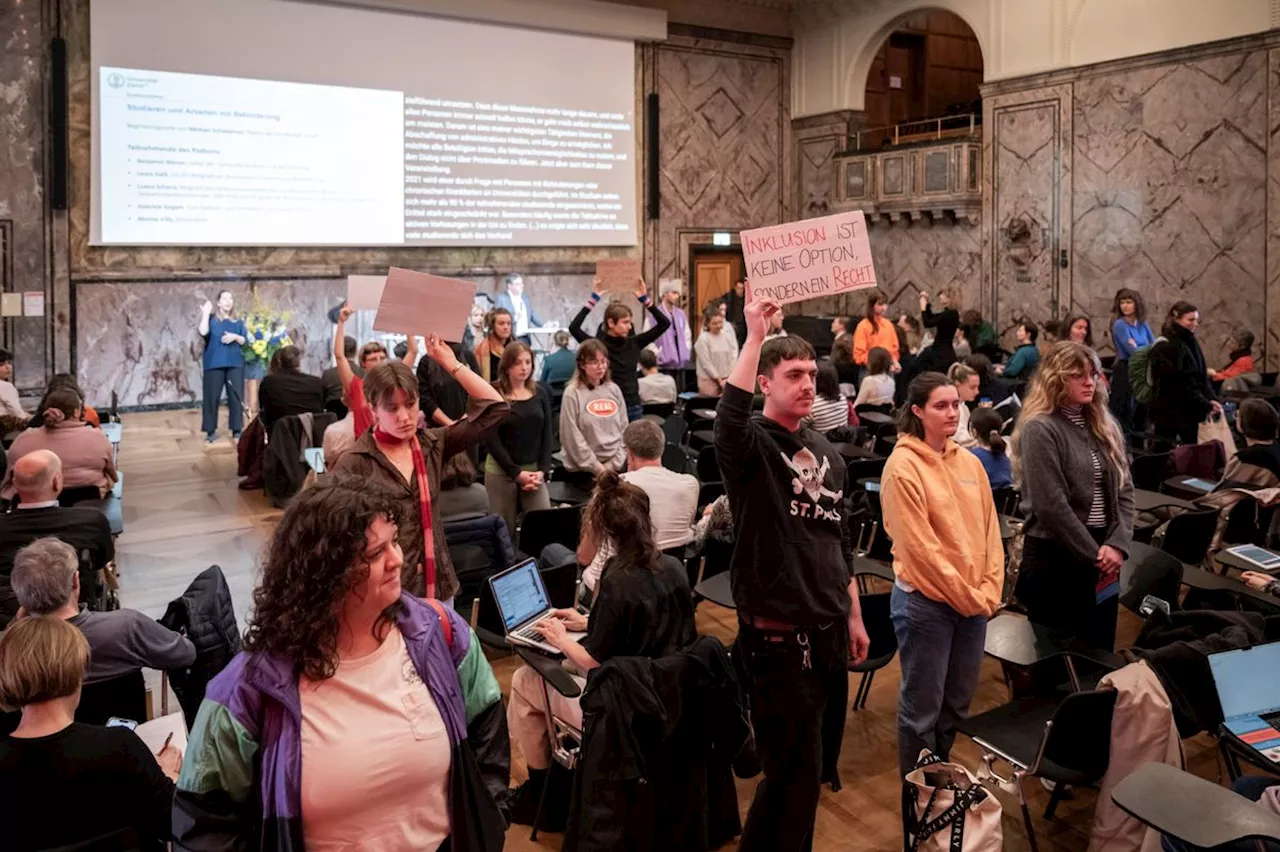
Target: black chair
{"x":1149,"y":571}
{"x":675,"y":459}
{"x":707,"y":469}
{"x":675,"y":429}
{"x":661,"y":409}
{"x":1067,"y":743}
{"x":1007,"y":499}
{"x":124,"y":696}
{"x":716,"y":558}
{"x":696,"y":403}
{"x":709,"y":492}
{"x":1248,"y":522}
{"x":1189,"y":534}
{"x":544,"y":526}
{"x":884,"y":644}
{"x":863,"y":469}
{"x":1192,"y":809}
{"x":1150,"y":470}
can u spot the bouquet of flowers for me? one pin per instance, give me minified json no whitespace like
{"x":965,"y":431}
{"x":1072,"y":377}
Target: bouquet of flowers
{"x":266,"y":332}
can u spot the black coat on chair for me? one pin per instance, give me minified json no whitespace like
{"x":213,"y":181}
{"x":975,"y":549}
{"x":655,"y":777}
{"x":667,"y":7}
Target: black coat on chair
{"x":205,"y":615}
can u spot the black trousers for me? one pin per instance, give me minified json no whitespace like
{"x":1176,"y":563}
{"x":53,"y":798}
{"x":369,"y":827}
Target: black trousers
{"x":1059,"y":590}
{"x":214,"y":380}
{"x":794,"y":704}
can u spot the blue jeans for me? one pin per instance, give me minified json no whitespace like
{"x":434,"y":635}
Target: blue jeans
{"x":1251,"y":787}
{"x":635,"y":412}
{"x":941,"y":654}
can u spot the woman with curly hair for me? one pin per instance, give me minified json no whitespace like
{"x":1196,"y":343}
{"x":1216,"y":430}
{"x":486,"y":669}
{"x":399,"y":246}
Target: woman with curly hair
{"x":357,"y":715}
{"x":1068,"y":456}
{"x":642,"y":608}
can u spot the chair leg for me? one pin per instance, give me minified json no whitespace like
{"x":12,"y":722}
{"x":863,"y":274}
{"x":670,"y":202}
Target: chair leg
{"x":1018,"y":779}
{"x":865,"y":691}
{"x":1059,"y":793}
{"x":542,"y":801}
{"x":857,"y":696}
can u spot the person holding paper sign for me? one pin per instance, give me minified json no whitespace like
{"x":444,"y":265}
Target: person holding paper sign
{"x":1068,"y":454}
{"x":799,"y":620}
{"x":223,"y":363}
{"x":623,"y":345}
{"x":400,"y":454}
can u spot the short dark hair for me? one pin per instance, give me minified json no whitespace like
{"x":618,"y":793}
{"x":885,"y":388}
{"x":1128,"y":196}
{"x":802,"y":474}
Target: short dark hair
{"x":286,"y":358}
{"x":779,"y":349}
{"x":6,"y":357}
{"x":1032,"y":331}
{"x":1052,"y":327}
{"x":827,"y":384}
{"x":457,"y":472}
{"x":1243,"y":338}
{"x":1258,"y":419}
{"x":879,"y":361}
{"x":647,"y":359}
{"x":402,"y":349}
{"x":1139,"y":308}
{"x":349,"y":346}
{"x":373,"y":347}
{"x":1179,"y":309}
{"x":918,"y":393}
{"x":615,"y":312}
{"x":382,"y":382}
{"x":645,"y":439}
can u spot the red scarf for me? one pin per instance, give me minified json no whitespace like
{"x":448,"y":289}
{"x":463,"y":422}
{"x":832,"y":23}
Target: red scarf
{"x":424,"y":504}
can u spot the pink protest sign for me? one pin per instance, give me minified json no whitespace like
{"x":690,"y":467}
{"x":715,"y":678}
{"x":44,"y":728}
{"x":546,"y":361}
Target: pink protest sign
{"x":808,"y":259}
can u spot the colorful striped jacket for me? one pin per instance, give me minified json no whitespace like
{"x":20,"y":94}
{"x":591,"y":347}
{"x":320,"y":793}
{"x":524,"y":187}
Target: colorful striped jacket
{"x":240,"y":786}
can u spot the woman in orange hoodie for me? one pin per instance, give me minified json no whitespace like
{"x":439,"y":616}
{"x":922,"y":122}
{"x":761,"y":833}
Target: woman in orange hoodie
{"x":874,"y":330}
{"x":948,"y":561}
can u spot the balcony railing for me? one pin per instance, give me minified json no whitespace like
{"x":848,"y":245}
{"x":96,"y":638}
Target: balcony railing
{"x":924,"y":130}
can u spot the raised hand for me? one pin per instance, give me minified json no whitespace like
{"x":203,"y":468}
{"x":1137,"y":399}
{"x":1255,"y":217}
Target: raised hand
{"x":758,"y":314}
{"x":642,"y":291}
{"x":207,"y":307}
{"x":441,"y":352}
{"x":346,"y":313}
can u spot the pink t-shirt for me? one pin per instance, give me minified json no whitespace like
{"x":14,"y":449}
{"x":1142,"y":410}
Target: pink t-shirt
{"x":85,"y":453}
{"x":375,"y":757}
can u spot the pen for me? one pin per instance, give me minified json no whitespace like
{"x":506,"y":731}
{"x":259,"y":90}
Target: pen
{"x":167,"y":740}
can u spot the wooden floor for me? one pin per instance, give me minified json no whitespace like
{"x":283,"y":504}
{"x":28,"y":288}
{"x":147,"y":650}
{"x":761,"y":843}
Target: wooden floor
{"x":183,"y":512}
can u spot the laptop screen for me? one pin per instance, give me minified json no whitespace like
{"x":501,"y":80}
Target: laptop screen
{"x":520,"y":593}
{"x":1246,"y":681}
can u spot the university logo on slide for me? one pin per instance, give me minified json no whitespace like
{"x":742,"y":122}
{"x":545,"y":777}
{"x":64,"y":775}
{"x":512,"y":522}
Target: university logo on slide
{"x":602,"y":407}
{"x":115,"y":81}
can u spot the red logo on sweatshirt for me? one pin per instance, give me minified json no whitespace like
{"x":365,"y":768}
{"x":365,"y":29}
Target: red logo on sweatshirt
{"x":602,"y":407}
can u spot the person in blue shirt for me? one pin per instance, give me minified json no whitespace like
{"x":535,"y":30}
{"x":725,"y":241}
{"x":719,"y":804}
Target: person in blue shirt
{"x":560,"y":365}
{"x":985,"y":425}
{"x":1026,"y":356}
{"x":223,"y":364}
{"x":1129,"y":333}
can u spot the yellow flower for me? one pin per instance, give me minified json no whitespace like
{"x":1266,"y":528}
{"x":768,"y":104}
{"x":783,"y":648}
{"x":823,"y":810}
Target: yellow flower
{"x":260,"y":347}
{"x":286,"y":341}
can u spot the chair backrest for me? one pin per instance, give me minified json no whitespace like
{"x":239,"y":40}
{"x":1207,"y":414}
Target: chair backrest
{"x":662,"y":409}
{"x":1153,"y":572}
{"x":1188,"y":535}
{"x":124,"y":696}
{"x":1202,"y":460}
{"x":675,"y":428}
{"x":1248,"y":522}
{"x":708,"y":470}
{"x":709,"y":492}
{"x":561,"y":582}
{"x":1006,"y":499}
{"x":863,"y":469}
{"x":1079,"y":737}
{"x":544,"y":526}
{"x":698,"y":402}
{"x":674,"y":458}
{"x":1150,"y":470}
{"x":716,"y":556}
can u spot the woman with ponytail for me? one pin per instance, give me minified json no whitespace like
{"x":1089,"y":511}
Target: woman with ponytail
{"x":401,"y":453}
{"x":642,"y":608}
{"x":1069,"y":458}
{"x":990,"y":447}
{"x":968,"y":384}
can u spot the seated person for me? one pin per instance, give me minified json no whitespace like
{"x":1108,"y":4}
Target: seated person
{"x":642,"y":609}
{"x":989,"y":447}
{"x":107,"y":780}
{"x":287,"y":390}
{"x":46,"y":581}
{"x":460,"y":493}
{"x":655,"y":387}
{"x":331,"y":379}
{"x":830,"y":408}
{"x":1241,"y":366}
{"x":10,"y":402}
{"x":88,"y":461}
{"x":339,"y":436}
{"x":877,"y":388}
{"x":64,"y":380}
{"x":559,"y":365}
{"x":1257,"y":463}
{"x":38,"y":479}
{"x":1026,"y":356}
{"x":593,"y":415}
{"x":673,"y":497}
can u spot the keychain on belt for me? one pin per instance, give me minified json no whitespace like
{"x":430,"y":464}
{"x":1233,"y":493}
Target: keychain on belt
{"x":806,"y":661}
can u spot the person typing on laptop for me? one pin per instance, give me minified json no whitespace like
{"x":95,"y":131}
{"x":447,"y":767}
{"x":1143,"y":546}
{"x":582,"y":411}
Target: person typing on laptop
{"x":642,"y":609}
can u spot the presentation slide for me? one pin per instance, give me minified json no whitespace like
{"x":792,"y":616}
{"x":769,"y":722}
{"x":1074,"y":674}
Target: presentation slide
{"x":377,"y":130}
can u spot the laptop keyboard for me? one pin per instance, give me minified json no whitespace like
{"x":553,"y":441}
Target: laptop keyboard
{"x":530,"y":634}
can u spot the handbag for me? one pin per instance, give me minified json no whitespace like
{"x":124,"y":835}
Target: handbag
{"x":944,"y":808}
{"x":1215,"y":428}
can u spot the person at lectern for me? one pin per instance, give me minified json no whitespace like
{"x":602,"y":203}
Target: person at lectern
{"x":223,"y":364}
{"x":514,"y":300}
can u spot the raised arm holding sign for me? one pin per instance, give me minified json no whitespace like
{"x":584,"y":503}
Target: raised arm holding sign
{"x":809,"y":259}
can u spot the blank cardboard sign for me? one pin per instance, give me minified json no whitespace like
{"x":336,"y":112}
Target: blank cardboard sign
{"x":620,"y":275}
{"x":425,"y":304}
{"x":364,"y":292}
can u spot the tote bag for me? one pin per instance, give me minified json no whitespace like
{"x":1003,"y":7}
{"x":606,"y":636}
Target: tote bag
{"x":947,"y":810}
{"x":1216,"y":429}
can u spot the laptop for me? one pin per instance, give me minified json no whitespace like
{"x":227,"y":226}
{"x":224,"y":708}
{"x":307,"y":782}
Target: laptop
{"x":1249,"y":694}
{"x":522,"y":602}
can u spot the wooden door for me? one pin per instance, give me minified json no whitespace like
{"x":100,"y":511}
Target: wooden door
{"x":713,"y":277}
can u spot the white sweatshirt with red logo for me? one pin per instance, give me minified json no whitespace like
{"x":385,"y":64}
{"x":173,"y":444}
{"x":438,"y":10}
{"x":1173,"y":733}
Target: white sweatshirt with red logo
{"x":591,"y":424}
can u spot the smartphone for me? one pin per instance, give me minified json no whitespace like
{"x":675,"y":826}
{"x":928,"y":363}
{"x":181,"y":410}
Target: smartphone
{"x":117,"y":722}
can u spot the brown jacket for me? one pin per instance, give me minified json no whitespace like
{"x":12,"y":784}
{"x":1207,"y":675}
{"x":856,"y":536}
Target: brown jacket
{"x":365,"y":459}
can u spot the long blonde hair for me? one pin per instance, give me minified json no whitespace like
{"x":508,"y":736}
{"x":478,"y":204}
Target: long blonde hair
{"x":1049,"y":388}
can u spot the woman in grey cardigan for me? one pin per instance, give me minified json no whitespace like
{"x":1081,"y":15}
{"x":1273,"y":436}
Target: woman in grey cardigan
{"x":1069,"y":460}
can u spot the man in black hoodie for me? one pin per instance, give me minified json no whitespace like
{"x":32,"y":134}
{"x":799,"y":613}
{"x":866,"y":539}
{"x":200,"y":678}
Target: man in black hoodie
{"x":799,"y":621}
{"x":624,"y":346}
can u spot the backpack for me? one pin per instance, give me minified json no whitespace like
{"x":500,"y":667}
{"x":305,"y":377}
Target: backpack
{"x":1141,"y":386}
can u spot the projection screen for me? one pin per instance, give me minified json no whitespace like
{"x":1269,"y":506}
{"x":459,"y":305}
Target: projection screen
{"x":283,"y":123}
